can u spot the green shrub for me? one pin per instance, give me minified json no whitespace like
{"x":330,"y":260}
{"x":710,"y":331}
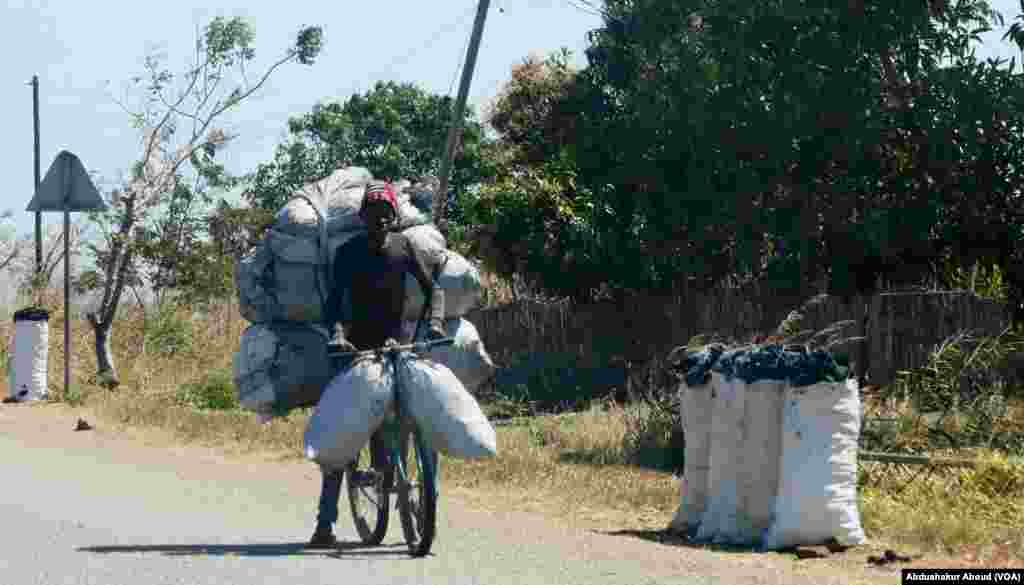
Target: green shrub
{"x":964,"y":392}
{"x":169,"y":333}
{"x":654,"y":436}
{"x":215,"y":391}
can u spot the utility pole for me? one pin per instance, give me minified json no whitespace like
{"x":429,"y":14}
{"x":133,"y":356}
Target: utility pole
{"x":455,"y":128}
{"x":39,"y":214}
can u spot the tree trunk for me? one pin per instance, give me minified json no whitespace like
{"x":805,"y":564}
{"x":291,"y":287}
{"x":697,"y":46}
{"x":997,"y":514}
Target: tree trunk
{"x":102,"y":320}
{"x":103,"y":324}
{"x":105,"y":374}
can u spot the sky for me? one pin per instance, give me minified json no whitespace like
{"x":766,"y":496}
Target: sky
{"x":84,"y":53}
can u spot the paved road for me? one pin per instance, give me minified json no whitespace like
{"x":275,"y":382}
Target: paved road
{"x":97,"y":507}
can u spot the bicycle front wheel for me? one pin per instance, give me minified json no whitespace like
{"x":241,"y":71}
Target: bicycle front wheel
{"x":417,"y":492}
{"x":369,"y":498}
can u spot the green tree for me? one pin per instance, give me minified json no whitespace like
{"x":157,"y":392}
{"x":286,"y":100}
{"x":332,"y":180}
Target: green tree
{"x":396,"y":130}
{"x":794,"y":140}
{"x":530,"y":219}
{"x":530,"y":111}
{"x":177,"y":120}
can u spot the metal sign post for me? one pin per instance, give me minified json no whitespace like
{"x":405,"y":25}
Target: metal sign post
{"x":67,"y":187}
{"x":39,"y":216}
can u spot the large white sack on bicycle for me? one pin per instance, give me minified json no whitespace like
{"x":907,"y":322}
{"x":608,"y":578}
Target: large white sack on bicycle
{"x":460,"y":280}
{"x":445,"y":412}
{"x":352,"y":407}
{"x":467,"y":357}
{"x":336,"y":199}
{"x":281,"y":366}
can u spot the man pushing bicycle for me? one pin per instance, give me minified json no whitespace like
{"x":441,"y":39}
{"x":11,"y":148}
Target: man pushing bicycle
{"x":370,"y":270}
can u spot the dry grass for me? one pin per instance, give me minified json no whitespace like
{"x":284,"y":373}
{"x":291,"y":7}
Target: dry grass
{"x":570,"y":465}
{"x":975,"y":513}
{"x":573,"y":464}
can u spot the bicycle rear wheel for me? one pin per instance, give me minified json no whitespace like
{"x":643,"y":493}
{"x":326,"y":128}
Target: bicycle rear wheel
{"x":417,"y":492}
{"x":370,"y":501}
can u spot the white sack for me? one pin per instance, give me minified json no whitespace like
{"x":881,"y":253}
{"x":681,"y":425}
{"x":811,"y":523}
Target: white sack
{"x":818,"y":470}
{"x":421,"y":195}
{"x":720,"y":522}
{"x":761,"y":448}
{"x":256,"y":302}
{"x":337,"y":197}
{"x":459,"y":279}
{"x":425,"y":237}
{"x":445,"y":412}
{"x":352,"y":407}
{"x":29,"y":354}
{"x":283,"y":279}
{"x":696,"y":405}
{"x":467,"y":357}
{"x":299,"y":277}
{"x":280,"y":366}
{"x":733,"y":447}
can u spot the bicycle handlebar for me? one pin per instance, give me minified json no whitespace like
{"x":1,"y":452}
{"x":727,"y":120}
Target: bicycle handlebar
{"x":416,"y":347}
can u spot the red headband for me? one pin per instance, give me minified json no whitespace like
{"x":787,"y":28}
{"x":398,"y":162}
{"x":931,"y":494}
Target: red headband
{"x":381,"y":191}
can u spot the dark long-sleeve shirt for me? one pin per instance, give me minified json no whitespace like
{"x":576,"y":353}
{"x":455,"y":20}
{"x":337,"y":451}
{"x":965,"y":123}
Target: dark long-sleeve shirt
{"x":368,"y":292}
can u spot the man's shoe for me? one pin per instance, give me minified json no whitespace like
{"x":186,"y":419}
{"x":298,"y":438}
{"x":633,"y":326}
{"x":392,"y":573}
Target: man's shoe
{"x":323,"y":538}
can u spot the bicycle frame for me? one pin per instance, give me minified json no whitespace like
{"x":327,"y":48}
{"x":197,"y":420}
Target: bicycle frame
{"x":395,"y":428}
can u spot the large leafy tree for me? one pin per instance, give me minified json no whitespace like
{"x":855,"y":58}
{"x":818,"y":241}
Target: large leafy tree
{"x":793,"y":140}
{"x":396,"y":130}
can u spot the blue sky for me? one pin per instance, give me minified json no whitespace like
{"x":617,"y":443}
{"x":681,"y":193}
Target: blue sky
{"x":77,"y":47}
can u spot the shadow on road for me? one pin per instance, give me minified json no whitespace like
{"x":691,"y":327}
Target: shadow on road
{"x":672,"y":539}
{"x":284,"y":549}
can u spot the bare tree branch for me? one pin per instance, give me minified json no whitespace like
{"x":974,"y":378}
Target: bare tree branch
{"x":12,"y":255}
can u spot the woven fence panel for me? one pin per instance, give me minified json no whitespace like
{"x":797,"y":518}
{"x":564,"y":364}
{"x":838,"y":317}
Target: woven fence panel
{"x":901,"y":327}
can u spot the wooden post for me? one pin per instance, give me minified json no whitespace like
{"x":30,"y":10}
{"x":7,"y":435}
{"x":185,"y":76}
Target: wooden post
{"x":455,"y":128}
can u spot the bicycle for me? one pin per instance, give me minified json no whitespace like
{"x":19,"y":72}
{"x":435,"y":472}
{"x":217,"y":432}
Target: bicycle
{"x":413,"y":479}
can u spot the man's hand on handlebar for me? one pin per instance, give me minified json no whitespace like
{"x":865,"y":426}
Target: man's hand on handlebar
{"x":341,"y":344}
{"x":390,"y":347}
{"x":435,"y":332}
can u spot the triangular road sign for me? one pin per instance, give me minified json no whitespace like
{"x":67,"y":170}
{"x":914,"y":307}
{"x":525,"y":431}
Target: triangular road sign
{"x":67,"y":187}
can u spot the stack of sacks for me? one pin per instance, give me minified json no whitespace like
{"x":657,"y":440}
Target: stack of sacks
{"x":283,"y":286}
{"x":285,"y":278}
{"x":771,"y":448}
{"x":460,"y":279}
